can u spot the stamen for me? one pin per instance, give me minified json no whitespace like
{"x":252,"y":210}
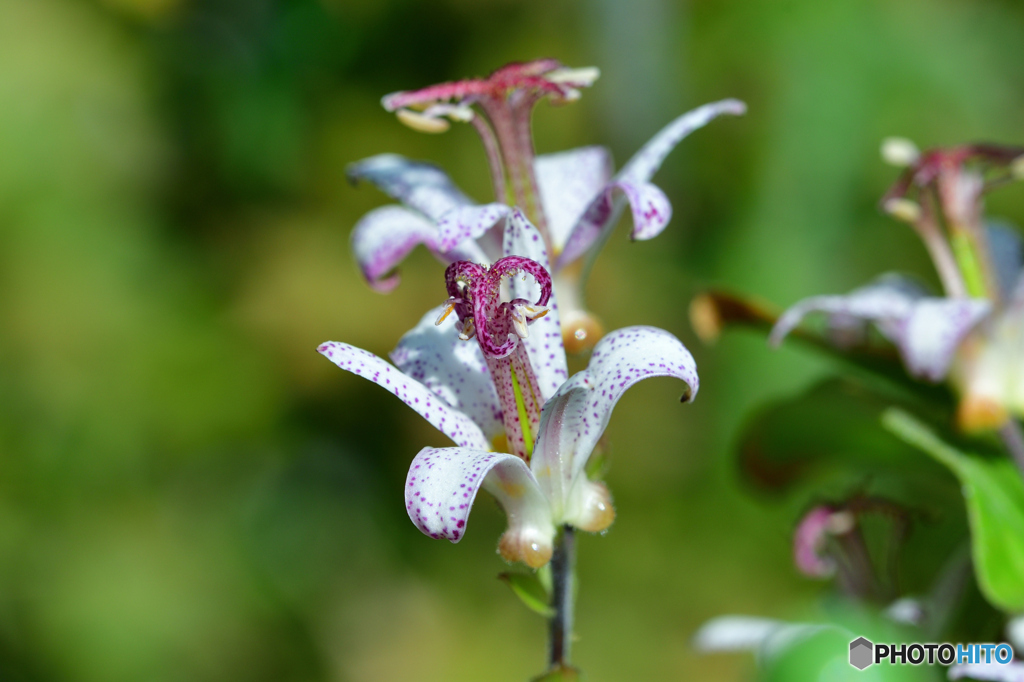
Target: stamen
{"x":899,"y":152}
{"x":1017,"y":168}
{"x":903,"y":209}
{"x":422,"y":122}
{"x":581,"y":77}
{"x":466,"y":328}
{"x":445,"y":313}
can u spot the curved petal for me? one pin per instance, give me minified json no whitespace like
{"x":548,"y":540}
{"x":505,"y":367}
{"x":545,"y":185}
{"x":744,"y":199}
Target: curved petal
{"x":736,"y":633}
{"x":468,"y":223}
{"x":1007,"y":249}
{"x":996,"y":672}
{"x":418,"y":185}
{"x":651,"y":208}
{"x":646,"y":162}
{"x":544,"y":343}
{"x":885,"y":301}
{"x":453,"y":369}
{"x":764,"y":636}
{"x":568,"y":181}
{"x":927,"y":330}
{"x":574,"y":419}
{"x":385,"y":236}
{"x":449,"y":421}
{"x":603,"y":212}
{"x":935,"y":328}
{"x":442,"y":485}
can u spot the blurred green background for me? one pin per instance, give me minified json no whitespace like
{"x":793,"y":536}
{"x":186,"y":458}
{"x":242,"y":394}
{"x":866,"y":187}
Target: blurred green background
{"x":189,"y":492}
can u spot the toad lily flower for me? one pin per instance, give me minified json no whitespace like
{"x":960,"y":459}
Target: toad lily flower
{"x":974,"y":335}
{"x":492,"y":377}
{"x":571,"y":196}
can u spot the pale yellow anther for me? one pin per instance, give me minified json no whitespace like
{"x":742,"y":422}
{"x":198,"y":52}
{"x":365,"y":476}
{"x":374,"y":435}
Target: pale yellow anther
{"x":444,"y":314}
{"x":899,"y":152}
{"x":903,"y":209}
{"x":840,"y":523}
{"x":421,"y":122}
{"x":1017,"y":168}
{"x":467,"y":329}
{"x":582,"y":76}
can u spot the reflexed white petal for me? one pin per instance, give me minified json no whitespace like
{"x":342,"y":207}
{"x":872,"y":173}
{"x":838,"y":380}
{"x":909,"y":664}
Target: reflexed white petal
{"x":446,"y":419}
{"x":1015,"y":633}
{"x":651,"y":210}
{"x":735,"y":633}
{"x":646,"y":162}
{"x":568,"y":182}
{"x":385,"y":236}
{"x":765,"y":637}
{"x":925,"y":329}
{"x":442,"y":485}
{"x":451,"y":368}
{"x":544,"y":344}
{"x":1011,"y":672}
{"x":906,"y":610}
{"x":934,"y":329}
{"x":419,"y":185}
{"x":468,"y":223}
{"x":573,"y":420}
{"x":1007,"y":251}
{"x":887,"y":301}
{"x":650,"y":207}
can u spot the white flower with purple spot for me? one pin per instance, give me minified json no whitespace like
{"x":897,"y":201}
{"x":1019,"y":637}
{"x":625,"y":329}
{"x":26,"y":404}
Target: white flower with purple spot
{"x":974,"y":334}
{"x":524,"y":429}
{"x":572,"y":197}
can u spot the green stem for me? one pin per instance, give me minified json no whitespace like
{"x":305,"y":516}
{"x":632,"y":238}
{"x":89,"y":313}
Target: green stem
{"x":563,"y":597}
{"x":970,"y":266}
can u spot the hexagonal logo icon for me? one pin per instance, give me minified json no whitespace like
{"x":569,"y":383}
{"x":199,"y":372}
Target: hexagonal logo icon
{"x":861,"y":651}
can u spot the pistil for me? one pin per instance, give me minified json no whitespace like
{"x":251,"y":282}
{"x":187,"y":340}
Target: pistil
{"x":475,"y":296}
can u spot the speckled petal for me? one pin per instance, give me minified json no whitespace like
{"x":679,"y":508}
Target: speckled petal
{"x":418,"y":185}
{"x":646,"y":162}
{"x":574,"y":419}
{"x":385,"y":236}
{"x":442,"y":485}
{"x":568,"y":181}
{"x":927,"y":330}
{"x":632,"y":184}
{"x":930,"y":336}
{"x":451,"y":368}
{"x":468,"y":223}
{"x":650,"y":207}
{"x":544,"y":343}
{"x":886,"y":301}
{"x":449,"y":421}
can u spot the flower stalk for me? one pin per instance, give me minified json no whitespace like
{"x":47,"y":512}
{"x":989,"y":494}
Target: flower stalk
{"x":563,"y":598}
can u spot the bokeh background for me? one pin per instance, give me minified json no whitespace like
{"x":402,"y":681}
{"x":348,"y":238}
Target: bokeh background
{"x":189,"y":492}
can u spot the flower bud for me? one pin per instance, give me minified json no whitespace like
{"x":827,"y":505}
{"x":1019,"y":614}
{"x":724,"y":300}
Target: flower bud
{"x":526,"y":544}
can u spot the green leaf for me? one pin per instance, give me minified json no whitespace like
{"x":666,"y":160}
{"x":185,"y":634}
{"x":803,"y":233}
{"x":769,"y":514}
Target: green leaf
{"x":994,"y":495}
{"x":828,"y":443}
{"x":530,"y":590}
